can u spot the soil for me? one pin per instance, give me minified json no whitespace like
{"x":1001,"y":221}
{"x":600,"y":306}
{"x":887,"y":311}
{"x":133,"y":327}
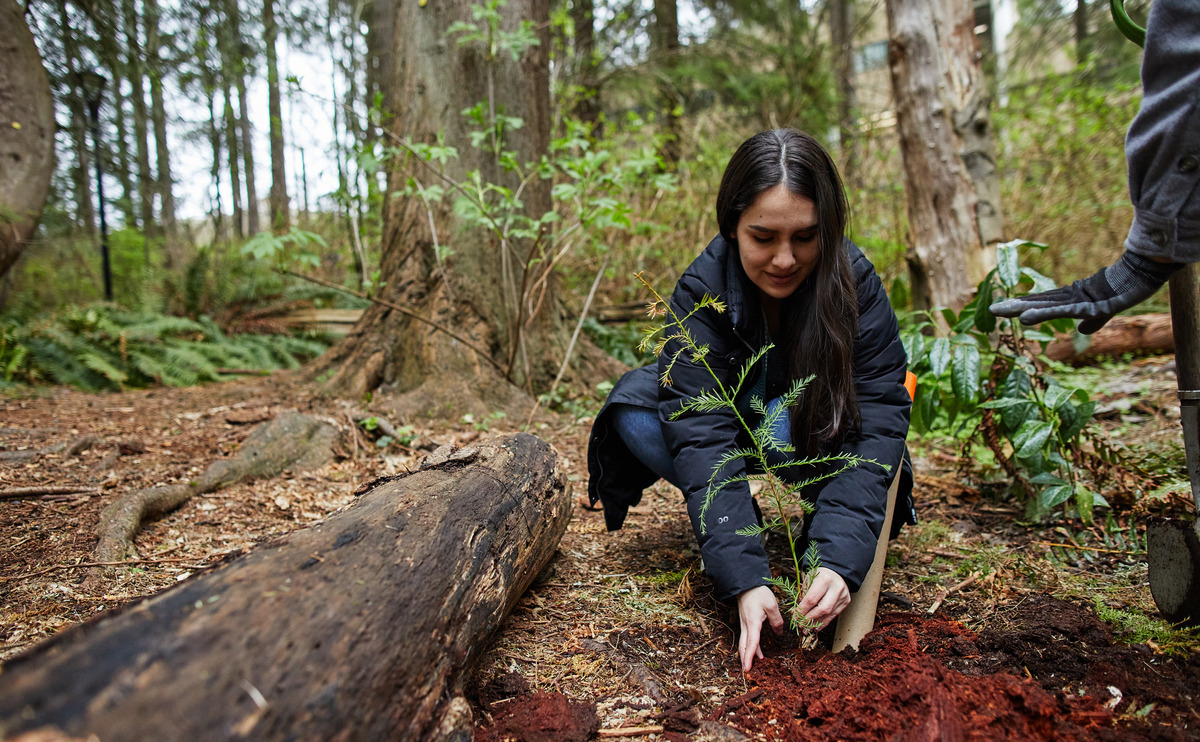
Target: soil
{"x":987,"y":630}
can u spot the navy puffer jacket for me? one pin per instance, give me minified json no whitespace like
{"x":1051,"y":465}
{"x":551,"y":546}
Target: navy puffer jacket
{"x":850,"y":507}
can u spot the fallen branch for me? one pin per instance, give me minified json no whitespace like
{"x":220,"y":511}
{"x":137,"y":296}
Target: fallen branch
{"x":123,"y":562}
{"x":70,"y":448}
{"x":937,"y":603}
{"x":735,"y":703}
{"x":397,"y":308}
{"x":1085,"y":548}
{"x":630,"y":731}
{"x":17,"y":493}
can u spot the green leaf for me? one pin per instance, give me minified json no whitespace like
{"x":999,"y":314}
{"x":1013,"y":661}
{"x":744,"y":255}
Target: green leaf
{"x":1047,"y":477}
{"x":1076,"y":419}
{"x":939,"y":357}
{"x":1054,"y":495}
{"x":1039,"y":336}
{"x":1008,"y":264}
{"x":1056,"y":395}
{"x":1032,"y":436}
{"x":1040,"y":283}
{"x":964,"y":373}
{"x":1002,"y":403}
{"x":985,"y":321}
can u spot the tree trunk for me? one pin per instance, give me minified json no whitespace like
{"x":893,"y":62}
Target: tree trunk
{"x":216,"y":209}
{"x":137,"y":94}
{"x":362,"y":627}
{"x":841,"y":29}
{"x":26,"y":136}
{"x":81,"y":173}
{"x":490,"y":292}
{"x":666,"y":49}
{"x":119,"y":70}
{"x":241,"y":52}
{"x":941,"y":112}
{"x":280,"y":216}
{"x":583,"y":17}
{"x":176,"y":253}
{"x":231,"y":143}
{"x":1082,"y":41}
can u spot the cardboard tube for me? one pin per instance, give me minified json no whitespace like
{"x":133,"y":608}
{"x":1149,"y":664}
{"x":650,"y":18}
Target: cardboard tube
{"x":859,"y":617}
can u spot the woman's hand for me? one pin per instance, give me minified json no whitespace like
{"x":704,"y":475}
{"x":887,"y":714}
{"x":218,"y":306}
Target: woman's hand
{"x":756,"y":605}
{"x":826,"y":598}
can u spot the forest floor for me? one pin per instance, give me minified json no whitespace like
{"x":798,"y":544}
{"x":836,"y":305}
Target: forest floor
{"x":988,"y":627}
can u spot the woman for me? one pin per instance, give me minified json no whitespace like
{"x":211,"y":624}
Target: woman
{"x":788,"y":276}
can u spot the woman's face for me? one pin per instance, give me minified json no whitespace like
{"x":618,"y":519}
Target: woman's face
{"x":777,"y":241}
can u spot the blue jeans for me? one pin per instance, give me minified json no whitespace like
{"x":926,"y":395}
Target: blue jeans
{"x":640,"y":430}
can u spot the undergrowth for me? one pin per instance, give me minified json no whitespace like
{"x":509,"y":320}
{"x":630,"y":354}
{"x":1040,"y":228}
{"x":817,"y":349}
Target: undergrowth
{"x":102,"y":348}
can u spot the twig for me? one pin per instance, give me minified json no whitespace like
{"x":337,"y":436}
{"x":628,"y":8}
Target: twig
{"x":735,"y":703}
{"x":15,"y":493}
{"x":937,"y":603}
{"x":1086,"y":548}
{"x":105,"y":564}
{"x":396,"y":307}
{"x":574,"y":337}
{"x":630,"y":731}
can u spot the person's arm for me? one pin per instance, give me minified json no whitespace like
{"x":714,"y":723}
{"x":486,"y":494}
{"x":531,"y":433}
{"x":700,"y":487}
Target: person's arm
{"x":1163,"y":151}
{"x":851,"y":507}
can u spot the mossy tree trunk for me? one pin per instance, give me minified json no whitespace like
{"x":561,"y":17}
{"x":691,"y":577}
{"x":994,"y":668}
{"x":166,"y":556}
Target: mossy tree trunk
{"x":490,"y":290}
{"x":26,"y":134}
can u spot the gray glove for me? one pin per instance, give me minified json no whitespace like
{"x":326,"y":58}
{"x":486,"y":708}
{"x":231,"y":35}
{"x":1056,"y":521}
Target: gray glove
{"x":1129,"y":281}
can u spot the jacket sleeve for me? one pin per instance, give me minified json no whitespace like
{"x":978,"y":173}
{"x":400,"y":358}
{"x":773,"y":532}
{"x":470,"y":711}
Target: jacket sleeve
{"x":697,"y":441}
{"x":1163,"y":144}
{"x":850,"y":508}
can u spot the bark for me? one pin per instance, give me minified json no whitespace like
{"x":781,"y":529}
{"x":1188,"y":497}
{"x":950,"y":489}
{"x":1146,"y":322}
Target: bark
{"x":488,"y":291}
{"x":1082,"y":42}
{"x":81,"y":174}
{"x":120,"y":152}
{"x":583,"y":18}
{"x":26,"y":136}
{"x":1141,"y":334}
{"x":137,"y":94}
{"x":666,"y":48}
{"x":362,"y":627}
{"x":231,"y":143}
{"x":941,"y":111}
{"x":216,"y":210}
{"x":241,"y":51}
{"x":176,"y":254}
{"x":280,"y":216}
{"x":289,"y":441}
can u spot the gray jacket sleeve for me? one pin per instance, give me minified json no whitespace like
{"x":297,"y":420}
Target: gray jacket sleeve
{"x":1163,"y":144}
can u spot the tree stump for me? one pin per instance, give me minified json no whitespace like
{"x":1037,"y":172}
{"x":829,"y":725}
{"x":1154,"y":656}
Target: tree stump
{"x":360,"y":627}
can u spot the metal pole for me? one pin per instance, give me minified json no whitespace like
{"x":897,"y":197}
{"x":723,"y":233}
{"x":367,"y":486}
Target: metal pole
{"x":1185,"y":324}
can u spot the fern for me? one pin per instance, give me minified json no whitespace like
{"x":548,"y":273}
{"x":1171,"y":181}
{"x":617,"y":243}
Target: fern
{"x":103,"y":348}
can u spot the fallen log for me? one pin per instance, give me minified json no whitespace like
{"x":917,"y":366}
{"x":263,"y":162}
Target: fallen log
{"x":1143,"y":333}
{"x":361,"y":627}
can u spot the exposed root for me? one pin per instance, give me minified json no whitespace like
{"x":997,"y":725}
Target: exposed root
{"x":289,"y":441}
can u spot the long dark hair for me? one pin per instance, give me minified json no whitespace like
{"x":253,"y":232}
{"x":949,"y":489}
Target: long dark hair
{"x":819,"y":321}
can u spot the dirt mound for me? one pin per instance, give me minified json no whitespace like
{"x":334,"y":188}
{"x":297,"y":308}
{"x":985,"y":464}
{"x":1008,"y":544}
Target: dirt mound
{"x":540,"y":717}
{"x":926,"y":678}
